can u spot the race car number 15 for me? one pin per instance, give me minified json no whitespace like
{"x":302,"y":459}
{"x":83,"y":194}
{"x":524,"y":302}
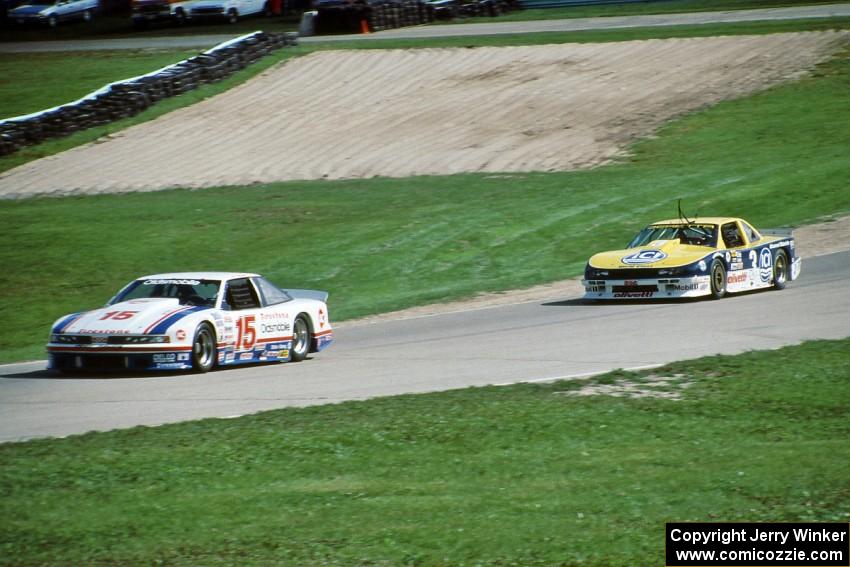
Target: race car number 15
{"x":118,"y":315}
{"x":246,"y":334}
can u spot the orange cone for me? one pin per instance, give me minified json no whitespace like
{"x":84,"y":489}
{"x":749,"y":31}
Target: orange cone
{"x":364,"y":26}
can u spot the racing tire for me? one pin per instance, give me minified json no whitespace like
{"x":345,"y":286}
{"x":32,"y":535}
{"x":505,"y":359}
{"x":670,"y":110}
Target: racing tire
{"x":180,"y":16}
{"x":780,"y":270}
{"x":53,"y":21}
{"x":203,"y":349}
{"x":87,"y":16}
{"x":232,"y":16}
{"x":300,"y":339}
{"x":718,"y":279}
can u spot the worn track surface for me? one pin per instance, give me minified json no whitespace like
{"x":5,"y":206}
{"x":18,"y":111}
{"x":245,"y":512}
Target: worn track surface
{"x":559,"y":337}
{"x":398,"y":113}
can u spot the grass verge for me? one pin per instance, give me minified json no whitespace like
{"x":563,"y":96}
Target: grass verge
{"x":648,"y":8}
{"x":520,"y":475}
{"x":384,"y":244}
{"x":37,"y":81}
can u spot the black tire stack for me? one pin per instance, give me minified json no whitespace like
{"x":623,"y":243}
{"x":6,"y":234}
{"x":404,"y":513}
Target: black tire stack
{"x":345,"y":16}
{"x":387,"y":15}
{"x":130,"y":97}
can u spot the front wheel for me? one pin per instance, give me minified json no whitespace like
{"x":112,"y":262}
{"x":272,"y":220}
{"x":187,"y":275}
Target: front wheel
{"x":232,"y":16}
{"x":780,"y":270}
{"x":300,"y":339}
{"x":718,"y":279}
{"x":52,"y":21}
{"x":203,"y":349}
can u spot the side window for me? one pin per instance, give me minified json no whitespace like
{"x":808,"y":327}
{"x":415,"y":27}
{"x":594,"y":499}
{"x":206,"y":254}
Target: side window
{"x":751,"y":233}
{"x":731,"y":235}
{"x":271,"y":294}
{"x":240,"y":295}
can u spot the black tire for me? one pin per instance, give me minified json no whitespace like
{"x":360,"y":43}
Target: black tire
{"x":87,"y":16}
{"x":53,"y":21}
{"x":301,"y":339}
{"x":180,"y":16}
{"x":780,"y":270}
{"x":232,"y":16}
{"x":204,"y":349}
{"x":718,"y":279}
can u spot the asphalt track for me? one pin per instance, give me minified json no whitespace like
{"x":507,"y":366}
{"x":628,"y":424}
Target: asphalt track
{"x":454,"y":30}
{"x":564,"y":337}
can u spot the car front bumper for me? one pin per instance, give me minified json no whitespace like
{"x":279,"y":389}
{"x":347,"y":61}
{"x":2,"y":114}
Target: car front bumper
{"x":68,"y":358}
{"x":660,"y":288}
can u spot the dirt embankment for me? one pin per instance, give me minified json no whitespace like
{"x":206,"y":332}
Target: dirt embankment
{"x":398,"y":113}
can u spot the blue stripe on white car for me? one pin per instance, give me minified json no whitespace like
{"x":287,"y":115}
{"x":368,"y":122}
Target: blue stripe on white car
{"x":163,"y":325}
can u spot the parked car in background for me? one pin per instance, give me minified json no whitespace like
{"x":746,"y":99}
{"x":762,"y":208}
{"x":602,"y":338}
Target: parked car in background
{"x":148,"y":11}
{"x":229,"y":10}
{"x":52,"y":13}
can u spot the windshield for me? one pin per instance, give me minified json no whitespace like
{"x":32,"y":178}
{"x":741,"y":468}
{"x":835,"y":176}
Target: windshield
{"x":187,"y":291}
{"x":693,"y":234}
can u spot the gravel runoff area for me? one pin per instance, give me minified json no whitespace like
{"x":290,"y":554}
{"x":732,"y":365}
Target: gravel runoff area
{"x":400,"y":113}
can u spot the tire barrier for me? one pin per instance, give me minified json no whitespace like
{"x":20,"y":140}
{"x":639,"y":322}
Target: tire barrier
{"x":358,"y":16}
{"x":130,"y":97}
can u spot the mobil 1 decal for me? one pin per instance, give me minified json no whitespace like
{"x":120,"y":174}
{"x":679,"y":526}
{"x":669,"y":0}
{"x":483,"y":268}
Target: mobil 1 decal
{"x":763,"y":260}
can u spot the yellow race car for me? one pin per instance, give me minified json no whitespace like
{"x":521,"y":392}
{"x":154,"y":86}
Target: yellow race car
{"x":694,"y":257}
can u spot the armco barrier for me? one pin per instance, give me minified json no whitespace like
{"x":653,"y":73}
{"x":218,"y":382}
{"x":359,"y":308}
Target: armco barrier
{"x":127,"y":98}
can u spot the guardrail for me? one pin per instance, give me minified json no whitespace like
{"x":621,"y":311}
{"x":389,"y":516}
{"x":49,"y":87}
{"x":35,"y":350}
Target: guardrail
{"x":131,"y":96}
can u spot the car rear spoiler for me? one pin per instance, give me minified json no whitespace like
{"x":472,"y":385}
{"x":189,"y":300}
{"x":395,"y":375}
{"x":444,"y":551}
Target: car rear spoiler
{"x":779,"y":232}
{"x":308,"y":294}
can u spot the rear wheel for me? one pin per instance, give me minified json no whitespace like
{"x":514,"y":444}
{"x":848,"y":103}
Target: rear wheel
{"x":203,"y":348}
{"x":300,"y":339}
{"x":780,"y":270}
{"x":718,"y":279}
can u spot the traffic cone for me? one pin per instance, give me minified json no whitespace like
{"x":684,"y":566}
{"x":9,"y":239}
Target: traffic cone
{"x":364,"y":26}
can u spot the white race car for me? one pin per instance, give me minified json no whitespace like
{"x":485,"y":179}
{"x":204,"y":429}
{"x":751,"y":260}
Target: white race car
{"x":194,"y":320}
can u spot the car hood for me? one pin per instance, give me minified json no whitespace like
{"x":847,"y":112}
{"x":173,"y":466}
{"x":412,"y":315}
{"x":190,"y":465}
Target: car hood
{"x":658,"y":254}
{"x":28,"y":9}
{"x":134,"y":317}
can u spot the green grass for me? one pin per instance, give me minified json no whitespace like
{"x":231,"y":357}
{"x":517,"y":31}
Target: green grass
{"x":645,"y":8}
{"x":31,"y":82}
{"x":520,"y":475}
{"x":777,"y":158}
